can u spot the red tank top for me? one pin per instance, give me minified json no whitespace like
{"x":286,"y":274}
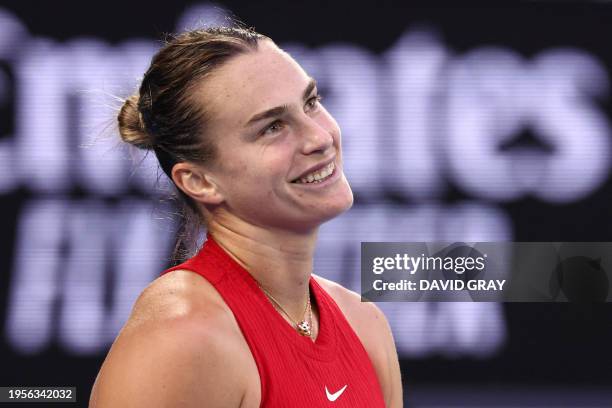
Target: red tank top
{"x":333,"y":371}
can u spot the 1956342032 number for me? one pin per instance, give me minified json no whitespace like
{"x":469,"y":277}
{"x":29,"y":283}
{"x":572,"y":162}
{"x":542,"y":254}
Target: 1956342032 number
{"x":37,"y":394}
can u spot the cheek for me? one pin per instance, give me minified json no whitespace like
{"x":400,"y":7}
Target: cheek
{"x":235,"y":170}
{"x":233,"y":175}
{"x":259,"y":171}
{"x":275,"y":160}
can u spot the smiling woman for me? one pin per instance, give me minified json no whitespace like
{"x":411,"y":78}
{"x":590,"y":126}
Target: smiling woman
{"x":239,"y":128}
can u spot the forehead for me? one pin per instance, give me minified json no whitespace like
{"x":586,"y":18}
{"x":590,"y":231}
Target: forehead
{"x":252,"y":82}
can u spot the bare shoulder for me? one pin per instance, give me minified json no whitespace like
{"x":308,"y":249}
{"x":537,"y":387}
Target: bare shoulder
{"x":372,"y":328}
{"x":176,"y":296}
{"x":181,"y":346}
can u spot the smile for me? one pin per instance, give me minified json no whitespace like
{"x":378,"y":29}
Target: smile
{"x":318,"y":176}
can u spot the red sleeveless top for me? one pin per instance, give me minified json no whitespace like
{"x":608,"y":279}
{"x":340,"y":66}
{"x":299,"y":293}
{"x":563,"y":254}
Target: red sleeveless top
{"x":333,"y":371}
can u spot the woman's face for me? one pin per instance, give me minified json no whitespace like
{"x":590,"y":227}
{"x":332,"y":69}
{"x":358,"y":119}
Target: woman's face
{"x":274,"y":140}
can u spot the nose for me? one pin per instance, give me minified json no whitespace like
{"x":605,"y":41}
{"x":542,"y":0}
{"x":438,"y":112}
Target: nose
{"x":315,"y":138}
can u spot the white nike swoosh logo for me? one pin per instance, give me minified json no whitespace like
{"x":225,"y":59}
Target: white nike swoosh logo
{"x":334,"y":396}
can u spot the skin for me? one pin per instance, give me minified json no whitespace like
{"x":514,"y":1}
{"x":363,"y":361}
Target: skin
{"x":180,"y":329}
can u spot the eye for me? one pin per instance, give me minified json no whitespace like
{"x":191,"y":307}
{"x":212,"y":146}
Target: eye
{"x":313,"y":102}
{"x":273,"y":127}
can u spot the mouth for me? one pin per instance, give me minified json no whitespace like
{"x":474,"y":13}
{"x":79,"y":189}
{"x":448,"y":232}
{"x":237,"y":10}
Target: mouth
{"x":318,"y":176}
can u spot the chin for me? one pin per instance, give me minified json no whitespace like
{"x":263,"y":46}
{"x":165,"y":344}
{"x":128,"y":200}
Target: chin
{"x":314,"y":220}
{"x":348,"y":196}
{"x":339,"y":206}
{"x":348,"y":203}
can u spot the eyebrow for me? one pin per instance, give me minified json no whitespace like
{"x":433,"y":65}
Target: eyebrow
{"x":279,"y":110}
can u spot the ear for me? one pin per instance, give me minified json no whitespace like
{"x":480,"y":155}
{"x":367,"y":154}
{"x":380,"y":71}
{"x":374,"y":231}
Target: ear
{"x":196,"y":183}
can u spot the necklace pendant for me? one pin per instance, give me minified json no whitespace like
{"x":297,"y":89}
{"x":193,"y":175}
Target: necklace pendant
{"x":304,"y":328}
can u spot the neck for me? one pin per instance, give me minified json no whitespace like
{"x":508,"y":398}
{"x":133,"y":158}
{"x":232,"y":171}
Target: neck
{"x":280,"y":261}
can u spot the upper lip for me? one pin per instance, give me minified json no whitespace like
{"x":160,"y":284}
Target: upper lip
{"x":314,"y":168}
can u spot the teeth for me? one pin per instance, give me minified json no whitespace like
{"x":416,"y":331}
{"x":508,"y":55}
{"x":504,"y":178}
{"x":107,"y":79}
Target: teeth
{"x":318,"y":176}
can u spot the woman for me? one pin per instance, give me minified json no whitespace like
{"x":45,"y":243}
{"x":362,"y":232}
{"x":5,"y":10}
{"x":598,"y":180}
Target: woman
{"x":238,"y":127}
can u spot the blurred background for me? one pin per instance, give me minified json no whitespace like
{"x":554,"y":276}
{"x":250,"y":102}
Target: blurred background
{"x":460,"y":122}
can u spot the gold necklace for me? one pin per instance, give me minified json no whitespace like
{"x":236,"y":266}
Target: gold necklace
{"x":305,"y":326}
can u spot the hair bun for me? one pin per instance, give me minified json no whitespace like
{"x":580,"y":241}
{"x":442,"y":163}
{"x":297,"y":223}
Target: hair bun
{"x":131,"y":125}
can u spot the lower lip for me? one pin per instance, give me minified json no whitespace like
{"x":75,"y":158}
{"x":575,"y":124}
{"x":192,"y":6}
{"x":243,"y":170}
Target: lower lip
{"x":330,"y":179}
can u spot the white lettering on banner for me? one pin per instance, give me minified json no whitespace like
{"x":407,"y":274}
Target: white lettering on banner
{"x":128,"y":243}
{"x":412,"y":147}
{"x":42,"y":139}
{"x":389,"y":110}
{"x":35,"y":281}
{"x":83,"y":275}
{"x":53,"y":160}
{"x":12,"y":34}
{"x":493,"y":95}
{"x":63,"y":249}
{"x":414,"y":120}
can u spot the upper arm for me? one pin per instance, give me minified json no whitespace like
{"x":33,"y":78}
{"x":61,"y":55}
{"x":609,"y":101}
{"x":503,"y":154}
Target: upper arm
{"x":174,"y":351}
{"x":176,"y":366}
